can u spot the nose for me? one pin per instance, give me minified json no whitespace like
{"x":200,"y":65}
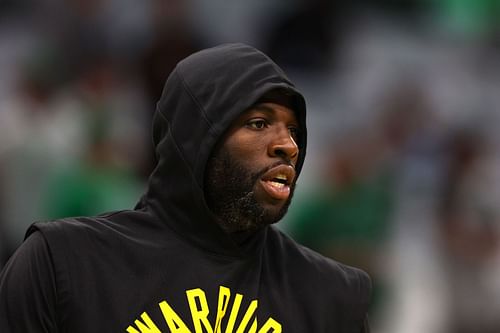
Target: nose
{"x":283,"y":145}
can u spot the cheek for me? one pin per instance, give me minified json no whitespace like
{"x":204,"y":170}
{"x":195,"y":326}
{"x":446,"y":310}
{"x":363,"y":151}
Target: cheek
{"x":246,"y":148}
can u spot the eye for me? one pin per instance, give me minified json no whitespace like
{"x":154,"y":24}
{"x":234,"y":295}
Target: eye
{"x":294,"y":132}
{"x":257,"y":123}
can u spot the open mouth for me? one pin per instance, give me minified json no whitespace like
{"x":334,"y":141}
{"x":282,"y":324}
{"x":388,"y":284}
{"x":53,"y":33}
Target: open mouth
{"x":277,"y":181}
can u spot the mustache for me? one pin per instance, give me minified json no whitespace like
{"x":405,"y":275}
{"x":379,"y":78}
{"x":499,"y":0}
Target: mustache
{"x":259,"y":174}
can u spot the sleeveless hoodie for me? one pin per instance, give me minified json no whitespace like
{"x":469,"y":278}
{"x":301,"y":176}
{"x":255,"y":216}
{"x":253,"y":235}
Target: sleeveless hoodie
{"x":166,"y":266}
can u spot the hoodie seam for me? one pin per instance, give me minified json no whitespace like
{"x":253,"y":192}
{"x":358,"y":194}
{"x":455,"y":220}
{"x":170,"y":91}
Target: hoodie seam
{"x":169,"y":133}
{"x":190,"y":93}
{"x":201,"y":109}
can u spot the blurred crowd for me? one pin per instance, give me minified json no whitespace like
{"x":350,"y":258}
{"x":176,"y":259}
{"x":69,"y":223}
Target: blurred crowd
{"x":402,"y":176}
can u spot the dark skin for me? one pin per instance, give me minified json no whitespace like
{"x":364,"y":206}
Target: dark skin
{"x":251,"y":175}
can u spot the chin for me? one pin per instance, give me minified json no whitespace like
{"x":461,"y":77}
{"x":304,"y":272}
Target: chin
{"x":272,"y":210}
{"x":273,"y":213}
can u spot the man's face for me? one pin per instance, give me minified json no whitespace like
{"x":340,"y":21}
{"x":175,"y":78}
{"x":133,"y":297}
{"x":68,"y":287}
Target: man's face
{"x":251,"y":176}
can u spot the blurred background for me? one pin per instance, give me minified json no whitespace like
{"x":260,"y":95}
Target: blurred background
{"x":402,"y":177}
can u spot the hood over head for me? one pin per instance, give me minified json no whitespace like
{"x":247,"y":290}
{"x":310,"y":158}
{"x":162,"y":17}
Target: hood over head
{"x":202,"y":96}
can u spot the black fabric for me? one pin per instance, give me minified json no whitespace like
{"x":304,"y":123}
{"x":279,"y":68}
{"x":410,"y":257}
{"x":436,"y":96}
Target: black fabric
{"x":166,"y":266}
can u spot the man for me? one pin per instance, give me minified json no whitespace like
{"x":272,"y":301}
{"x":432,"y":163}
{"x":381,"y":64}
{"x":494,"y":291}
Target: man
{"x":197,"y":254}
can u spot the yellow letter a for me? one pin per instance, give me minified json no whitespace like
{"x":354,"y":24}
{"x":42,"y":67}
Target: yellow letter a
{"x":174,"y":322}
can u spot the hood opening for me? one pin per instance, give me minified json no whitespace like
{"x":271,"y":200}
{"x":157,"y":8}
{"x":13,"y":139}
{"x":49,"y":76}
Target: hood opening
{"x":201,"y":98}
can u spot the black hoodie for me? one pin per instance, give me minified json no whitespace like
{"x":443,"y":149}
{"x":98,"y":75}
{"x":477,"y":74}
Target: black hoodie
{"x":166,"y":266}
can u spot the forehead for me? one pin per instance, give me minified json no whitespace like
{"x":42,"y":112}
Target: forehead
{"x":279,"y":97}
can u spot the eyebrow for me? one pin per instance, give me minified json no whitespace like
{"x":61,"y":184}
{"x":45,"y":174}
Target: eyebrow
{"x":263,"y":108}
{"x":270,"y":111}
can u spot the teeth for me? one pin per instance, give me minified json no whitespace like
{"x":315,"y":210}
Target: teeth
{"x":276,"y":184}
{"x":281,"y":177}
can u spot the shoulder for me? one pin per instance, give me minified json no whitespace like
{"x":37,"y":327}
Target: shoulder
{"x":28,"y":288}
{"x":65,"y":227}
{"x":73,"y":231}
{"x":111,"y":232}
{"x":322,"y":275}
{"x":104,"y":223}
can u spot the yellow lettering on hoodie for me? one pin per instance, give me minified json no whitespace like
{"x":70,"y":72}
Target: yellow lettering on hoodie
{"x":200,"y":315}
{"x":234,"y":313}
{"x":222,"y":303}
{"x":271,"y":326}
{"x":147,"y":327}
{"x":246,"y":318}
{"x":174,"y":322}
{"x":238,"y":321}
{"x":253,"y":328}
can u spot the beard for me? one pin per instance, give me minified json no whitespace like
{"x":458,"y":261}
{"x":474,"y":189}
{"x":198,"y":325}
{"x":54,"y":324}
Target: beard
{"x":229,"y":192}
